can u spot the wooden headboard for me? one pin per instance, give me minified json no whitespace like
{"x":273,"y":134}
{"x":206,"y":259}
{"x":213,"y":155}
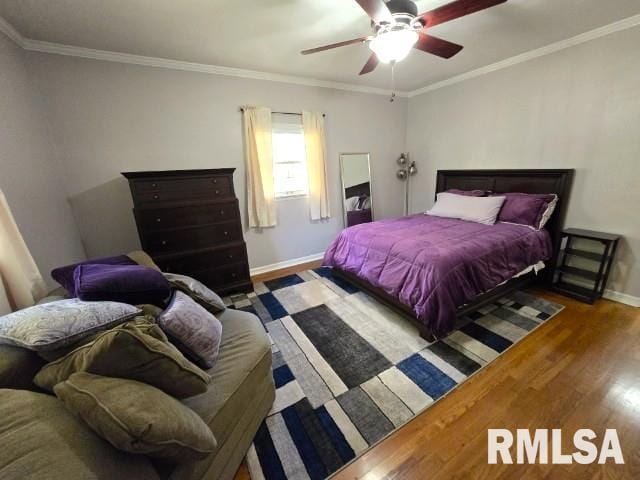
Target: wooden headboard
{"x":556,"y":181}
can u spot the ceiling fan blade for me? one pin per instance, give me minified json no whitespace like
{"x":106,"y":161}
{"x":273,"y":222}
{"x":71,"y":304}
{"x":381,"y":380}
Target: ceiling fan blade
{"x":377,"y":10}
{"x":456,"y":9}
{"x":437,"y":46}
{"x":334,"y":45}
{"x":371,"y":64}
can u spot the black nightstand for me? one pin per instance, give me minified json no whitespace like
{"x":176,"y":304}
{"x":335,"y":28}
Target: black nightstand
{"x":584,"y":263}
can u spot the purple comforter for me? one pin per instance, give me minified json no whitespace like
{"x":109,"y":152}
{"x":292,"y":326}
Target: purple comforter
{"x":435,"y":265}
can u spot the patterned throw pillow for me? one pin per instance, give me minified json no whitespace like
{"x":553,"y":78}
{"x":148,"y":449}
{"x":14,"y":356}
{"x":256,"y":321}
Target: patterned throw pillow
{"x":196,"y":332}
{"x":57,"y":324}
{"x":136,"y":417}
{"x":198,"y":291}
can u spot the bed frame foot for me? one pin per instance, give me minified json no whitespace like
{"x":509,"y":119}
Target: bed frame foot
{"x":427,"y":335}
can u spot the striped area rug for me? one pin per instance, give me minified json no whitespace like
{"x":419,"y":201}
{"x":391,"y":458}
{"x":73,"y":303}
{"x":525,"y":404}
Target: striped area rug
{"x":349,"y":371}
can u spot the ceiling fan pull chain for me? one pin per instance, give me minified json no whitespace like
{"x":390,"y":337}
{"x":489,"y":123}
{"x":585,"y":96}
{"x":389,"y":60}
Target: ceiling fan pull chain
{"x":393,"y":82}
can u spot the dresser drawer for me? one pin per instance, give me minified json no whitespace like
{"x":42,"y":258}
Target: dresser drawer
{"x":195,"y":238}
{"x":191,"y":263}
{"x":150,"y":192}
{"x":152,"y":219}
{"x":222,"y":277}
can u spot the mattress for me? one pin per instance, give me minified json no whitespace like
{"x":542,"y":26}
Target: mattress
{"x":435,"y":265}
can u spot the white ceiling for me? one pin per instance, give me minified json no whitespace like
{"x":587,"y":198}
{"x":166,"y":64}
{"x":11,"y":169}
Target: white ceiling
{"x":267,"y":35}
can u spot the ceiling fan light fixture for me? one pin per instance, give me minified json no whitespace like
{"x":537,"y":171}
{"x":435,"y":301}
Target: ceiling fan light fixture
{"x":394,"y":44}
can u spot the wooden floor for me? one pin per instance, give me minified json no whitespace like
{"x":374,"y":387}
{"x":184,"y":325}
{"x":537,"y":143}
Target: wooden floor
{"x":579,"y":370}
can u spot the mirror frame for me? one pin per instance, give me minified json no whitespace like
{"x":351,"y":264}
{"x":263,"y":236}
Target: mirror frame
{"x":344,"y":210}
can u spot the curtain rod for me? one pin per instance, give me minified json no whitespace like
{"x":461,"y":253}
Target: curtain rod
{"x":285,"y":113}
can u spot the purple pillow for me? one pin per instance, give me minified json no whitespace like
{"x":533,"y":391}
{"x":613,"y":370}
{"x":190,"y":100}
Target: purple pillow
{"x":132,"y":284}
{"x":468,"y":193}
{"x":196,"y":332}
{"x":64,"y":275}
{"x":524,"y":208}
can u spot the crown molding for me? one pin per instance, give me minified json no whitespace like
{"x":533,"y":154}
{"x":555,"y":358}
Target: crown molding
{"x":624,"y":24}
{"x":108,"y":56}
{"x":118,"y":57}
{"x":12,"y":33}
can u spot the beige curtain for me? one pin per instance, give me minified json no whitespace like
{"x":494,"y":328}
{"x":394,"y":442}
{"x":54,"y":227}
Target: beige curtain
{"x":19,"y":274}
{"x":315,"y":146}
{"x":259,"y":160}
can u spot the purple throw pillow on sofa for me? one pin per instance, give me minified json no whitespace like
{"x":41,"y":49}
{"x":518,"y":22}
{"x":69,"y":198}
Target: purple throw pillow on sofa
{"x":524,"y":208}
{"x":64,"y":275}
{"x":468,"y":193}
{"x":132,"y":284}
{"x":196,"y":332}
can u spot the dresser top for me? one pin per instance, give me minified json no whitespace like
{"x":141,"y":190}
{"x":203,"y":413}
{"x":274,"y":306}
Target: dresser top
{"x":178,"y":173}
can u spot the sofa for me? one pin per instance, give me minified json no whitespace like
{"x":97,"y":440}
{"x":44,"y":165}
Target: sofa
{"x":39,"y":438}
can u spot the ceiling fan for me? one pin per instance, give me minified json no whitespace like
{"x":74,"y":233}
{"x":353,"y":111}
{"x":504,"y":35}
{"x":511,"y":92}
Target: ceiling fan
{"x":397,"y":28}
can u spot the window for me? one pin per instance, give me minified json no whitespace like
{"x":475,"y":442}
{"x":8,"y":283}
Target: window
{"x":289,"y":160}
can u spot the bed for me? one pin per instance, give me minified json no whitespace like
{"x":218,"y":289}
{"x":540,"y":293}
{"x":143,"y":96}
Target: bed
{"x":436,"y":270}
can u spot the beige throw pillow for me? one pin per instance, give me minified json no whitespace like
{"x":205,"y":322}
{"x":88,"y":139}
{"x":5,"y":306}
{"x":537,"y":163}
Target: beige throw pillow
{"x":137,"y":351}
{"x":136,"y":417}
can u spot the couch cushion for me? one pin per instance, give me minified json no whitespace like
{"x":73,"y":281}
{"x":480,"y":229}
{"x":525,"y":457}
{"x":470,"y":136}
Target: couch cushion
{"x":133,"y":351}
{"x":240,"y":376}
{"x":143,"y":258}
{"x":41,"y":439}
{"x":239,"y":397}
{"x":17,"y":367}
{"x":136,"y":417}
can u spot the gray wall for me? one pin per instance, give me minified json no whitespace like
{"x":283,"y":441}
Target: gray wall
{"x":579,"y":108}
{"x":109,"y":117}
{"x":29,"y":176}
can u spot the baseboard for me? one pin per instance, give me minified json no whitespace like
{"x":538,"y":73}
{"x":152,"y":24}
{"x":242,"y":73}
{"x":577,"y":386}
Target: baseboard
{"x":286,"y":264}
{"x":622,"y":298}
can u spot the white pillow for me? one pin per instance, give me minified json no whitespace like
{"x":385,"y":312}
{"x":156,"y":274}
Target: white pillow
{"x":548,"y":212}
{"x":351,"y":203}
{"x":473,"y":209}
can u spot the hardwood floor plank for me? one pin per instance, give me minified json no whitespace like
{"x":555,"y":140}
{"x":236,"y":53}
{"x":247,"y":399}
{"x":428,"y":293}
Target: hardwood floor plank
{"x":265,"y":277}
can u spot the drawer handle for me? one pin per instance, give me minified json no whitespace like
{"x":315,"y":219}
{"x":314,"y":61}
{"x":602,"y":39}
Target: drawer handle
{"x":215,"y":181}
{"x":156,"y":197}
{"x":217,"y":192}
{"x":154,"y":185}
{"x":230,"y":256}
{"x":226,"y":234}
{"x":221,"y":212}
{"x":158,"y":220}
{"x":164,"y":242}
{"x":234,"y":275}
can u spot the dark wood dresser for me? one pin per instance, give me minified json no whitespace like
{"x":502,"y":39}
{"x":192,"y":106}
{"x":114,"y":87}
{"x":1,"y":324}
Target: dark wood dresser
{"x":189,"y":222}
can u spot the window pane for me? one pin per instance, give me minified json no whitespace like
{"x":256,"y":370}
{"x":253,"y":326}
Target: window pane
{"x":289,"y":163}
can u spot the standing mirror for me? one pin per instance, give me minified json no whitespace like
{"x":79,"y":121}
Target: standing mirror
{"x":356,"y":188}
